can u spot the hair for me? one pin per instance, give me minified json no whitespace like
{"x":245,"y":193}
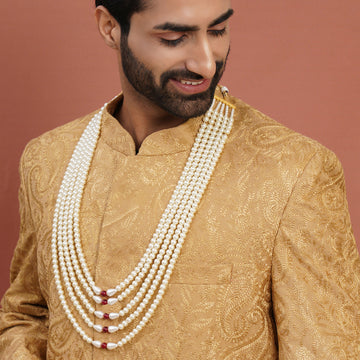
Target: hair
{"x":122,"y":11}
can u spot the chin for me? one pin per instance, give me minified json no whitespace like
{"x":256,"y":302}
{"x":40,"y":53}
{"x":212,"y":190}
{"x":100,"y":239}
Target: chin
{"x":189,"y":108}
{"x":186,"y":107}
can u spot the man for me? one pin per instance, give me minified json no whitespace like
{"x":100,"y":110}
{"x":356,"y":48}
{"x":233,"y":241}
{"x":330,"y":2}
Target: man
{"x":156,"y":229}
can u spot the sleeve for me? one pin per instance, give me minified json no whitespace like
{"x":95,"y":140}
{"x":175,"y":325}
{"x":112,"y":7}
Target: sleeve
{"x":316,"y":268}
{"x":23,"y":312}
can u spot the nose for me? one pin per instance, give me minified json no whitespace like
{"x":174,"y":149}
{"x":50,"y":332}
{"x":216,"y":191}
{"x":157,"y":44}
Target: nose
{"x":201,"y":60}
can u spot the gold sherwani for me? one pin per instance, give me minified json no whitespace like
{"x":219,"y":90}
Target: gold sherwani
{"x":269,"y":268}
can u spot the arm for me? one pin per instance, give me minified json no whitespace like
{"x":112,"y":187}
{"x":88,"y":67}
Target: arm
{"x":316,"y":268}
{"x":23,"y":316}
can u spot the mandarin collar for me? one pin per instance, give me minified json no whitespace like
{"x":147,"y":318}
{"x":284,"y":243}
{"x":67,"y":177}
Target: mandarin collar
{"x":167,"y":141}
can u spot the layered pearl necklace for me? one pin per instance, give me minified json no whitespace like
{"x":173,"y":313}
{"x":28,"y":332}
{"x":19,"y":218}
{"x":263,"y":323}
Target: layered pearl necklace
{"x":148,"y":281}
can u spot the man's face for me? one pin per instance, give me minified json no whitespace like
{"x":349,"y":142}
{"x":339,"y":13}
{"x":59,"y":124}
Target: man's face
{"x":175,"y":53}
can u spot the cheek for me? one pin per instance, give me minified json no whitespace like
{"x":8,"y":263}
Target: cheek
{"x":156,"y":57}
{"x":221,"y":49}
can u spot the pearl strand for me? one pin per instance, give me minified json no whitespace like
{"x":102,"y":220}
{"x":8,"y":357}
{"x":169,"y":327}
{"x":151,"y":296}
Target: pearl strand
{"x":126,"y":309}
{"x":173,"y":226}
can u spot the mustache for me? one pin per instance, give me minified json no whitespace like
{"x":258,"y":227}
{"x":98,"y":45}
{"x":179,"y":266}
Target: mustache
{"x":186,"y":74}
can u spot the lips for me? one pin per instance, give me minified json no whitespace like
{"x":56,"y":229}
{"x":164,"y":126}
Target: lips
{"x":189,"y":86}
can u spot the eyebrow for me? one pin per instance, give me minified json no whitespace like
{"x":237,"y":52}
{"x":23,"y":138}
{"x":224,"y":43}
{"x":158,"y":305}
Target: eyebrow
{"x":168,"y":26}
{"x":222,"y":18}
{"x":176,"y":27}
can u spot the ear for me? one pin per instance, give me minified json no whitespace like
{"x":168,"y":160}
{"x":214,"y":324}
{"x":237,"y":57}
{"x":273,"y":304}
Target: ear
{"x":108,"y":27}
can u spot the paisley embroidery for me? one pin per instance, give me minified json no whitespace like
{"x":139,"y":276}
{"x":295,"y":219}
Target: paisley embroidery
{"x":333,"y":198}
{"x":271,"y":240}
{"x":270,"y":135}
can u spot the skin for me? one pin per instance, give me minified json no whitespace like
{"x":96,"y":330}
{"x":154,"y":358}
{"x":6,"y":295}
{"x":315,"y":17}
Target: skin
{"x":196,"y":53}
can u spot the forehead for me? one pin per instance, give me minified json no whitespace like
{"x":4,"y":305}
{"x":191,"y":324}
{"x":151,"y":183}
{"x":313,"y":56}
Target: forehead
{"x":191,"y":12}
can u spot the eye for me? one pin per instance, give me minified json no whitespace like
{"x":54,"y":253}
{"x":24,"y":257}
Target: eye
{"x":173,"y":42}
{"x":217,"y":33}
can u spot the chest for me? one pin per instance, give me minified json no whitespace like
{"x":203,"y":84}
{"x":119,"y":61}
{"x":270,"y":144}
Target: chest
{"x":222,"y":276}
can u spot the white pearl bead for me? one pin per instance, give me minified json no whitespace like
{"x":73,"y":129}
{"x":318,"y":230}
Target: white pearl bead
{"x":98,"y":328}
{"x":99,"y":314}
{"x":111,"y":292}
{"x":114,"y":316}
{"x":111,"y":346}
{"x":112,"y":301}
{"x":97,"y":344}
{"x":113,"y":329}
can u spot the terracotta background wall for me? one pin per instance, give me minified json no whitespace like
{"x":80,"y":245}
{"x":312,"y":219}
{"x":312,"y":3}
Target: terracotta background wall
{"x":297,"y":61}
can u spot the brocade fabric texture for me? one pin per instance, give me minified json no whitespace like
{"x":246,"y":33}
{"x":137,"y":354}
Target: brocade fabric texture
{"x":269,"y":269}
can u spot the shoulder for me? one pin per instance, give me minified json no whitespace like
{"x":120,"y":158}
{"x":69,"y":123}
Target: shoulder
{"x":45,"y":158}
{"x":274,"y":150}
{"x":274,"y":143}
{"x":54,"y":145}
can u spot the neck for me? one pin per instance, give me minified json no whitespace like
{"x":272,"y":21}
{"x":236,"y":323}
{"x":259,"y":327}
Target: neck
{"x":140,"y":118}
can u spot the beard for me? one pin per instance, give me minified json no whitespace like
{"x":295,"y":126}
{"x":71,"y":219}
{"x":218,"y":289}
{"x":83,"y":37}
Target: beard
{"x":183,"y":106}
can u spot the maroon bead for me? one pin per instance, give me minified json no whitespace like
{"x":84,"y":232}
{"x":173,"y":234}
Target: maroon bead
{"x":106,"y":316}
{"x":105,"y":329}
{"x":104,"y":345}
{"x":104,"y":302}
{"x":103,"y":293}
